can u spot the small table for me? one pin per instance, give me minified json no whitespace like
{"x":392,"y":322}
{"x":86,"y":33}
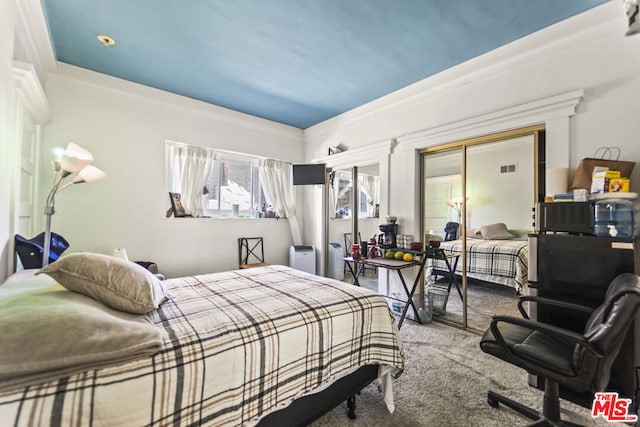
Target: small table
{"x":390,"y":264}
{"x":437,"y":253}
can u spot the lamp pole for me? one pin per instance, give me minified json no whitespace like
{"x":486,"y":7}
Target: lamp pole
{"x":48,"y":211}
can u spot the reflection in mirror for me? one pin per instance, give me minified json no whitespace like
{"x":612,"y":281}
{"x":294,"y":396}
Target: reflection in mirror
{"x":369,"y":182}
{"x":339,"y":227}
{"x":495,"y":211}
{"x":500,"y":186}
{"x":442,"y":189}
{"x":368,"y":218}
{"x":340,"y":194}
{"x":341,"y":214}
{"x":341,"y":184}
{"x":442,"y":185}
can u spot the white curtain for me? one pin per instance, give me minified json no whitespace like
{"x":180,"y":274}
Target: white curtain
{"x":336,"y":193}
{"x":371,"y":187}
{"x":276,"y":178}
{"x":189,"y":169}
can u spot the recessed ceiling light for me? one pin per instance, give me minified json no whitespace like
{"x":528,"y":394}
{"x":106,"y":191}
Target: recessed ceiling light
{"x":106,"y":40}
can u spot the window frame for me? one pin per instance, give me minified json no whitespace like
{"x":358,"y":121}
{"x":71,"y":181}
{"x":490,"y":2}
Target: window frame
{"x":257,"y":199}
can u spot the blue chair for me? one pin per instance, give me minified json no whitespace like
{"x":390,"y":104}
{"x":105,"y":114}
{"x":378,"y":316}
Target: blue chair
{"x":30,"y":251}
{"x":451,"y":231}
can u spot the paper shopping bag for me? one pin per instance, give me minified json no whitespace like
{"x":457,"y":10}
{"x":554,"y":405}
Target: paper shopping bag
{"x":583,"y":175}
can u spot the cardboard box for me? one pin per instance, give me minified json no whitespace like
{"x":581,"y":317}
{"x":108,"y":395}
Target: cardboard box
{"x":619,"y":184}
{"x":601,"y":178}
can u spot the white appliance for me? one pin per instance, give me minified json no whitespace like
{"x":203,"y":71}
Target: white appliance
{"x":336,"y":264}
{"x":303,"y":258}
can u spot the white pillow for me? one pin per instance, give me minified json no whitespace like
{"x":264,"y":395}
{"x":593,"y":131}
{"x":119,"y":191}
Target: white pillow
{"x":119,"y":284}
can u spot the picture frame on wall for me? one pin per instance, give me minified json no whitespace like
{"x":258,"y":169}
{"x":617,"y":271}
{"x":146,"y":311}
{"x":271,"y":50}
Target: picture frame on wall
{"x":176,"y":205}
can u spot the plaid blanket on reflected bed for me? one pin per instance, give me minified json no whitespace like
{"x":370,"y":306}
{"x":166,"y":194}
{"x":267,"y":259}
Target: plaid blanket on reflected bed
{"x":241,"y":345}
{"x":506,"y":258}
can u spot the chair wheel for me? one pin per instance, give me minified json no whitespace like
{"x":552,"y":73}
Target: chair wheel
{"x":493,"y":402}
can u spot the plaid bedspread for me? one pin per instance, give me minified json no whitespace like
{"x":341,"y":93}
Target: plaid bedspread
{"x":507,"y":258}
{"x":241,"y":345}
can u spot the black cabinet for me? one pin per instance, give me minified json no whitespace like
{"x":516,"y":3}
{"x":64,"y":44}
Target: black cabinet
{"x":578,"y":269}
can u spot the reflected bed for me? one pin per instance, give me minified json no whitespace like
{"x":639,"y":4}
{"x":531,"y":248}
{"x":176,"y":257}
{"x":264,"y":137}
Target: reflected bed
{"x":503,"y":262}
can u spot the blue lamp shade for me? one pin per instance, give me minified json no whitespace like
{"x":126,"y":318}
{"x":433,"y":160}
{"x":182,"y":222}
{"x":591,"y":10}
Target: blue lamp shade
{"x":31,"y":250}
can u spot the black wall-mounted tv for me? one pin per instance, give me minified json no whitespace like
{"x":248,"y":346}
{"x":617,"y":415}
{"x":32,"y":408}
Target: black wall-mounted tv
{"x":309,"y":174}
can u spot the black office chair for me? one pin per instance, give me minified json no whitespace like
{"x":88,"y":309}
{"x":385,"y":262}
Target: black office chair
{"x":578,"y":362}
{"x":251,"y":252}
{"x":451,"y":231}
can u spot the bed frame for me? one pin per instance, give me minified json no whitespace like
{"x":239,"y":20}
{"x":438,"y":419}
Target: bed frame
{"x":309,"y":408}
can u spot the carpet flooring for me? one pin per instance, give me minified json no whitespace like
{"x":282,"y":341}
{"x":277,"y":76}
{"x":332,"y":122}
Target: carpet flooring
{"x":484,"y":301}
{"x":445,"y":383}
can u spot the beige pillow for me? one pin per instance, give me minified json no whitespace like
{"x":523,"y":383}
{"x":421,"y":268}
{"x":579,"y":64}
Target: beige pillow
{"x":473,"y":233}
{"x":49,"y":333}
{"x":119,"y":284}
{"x":496,"y":231}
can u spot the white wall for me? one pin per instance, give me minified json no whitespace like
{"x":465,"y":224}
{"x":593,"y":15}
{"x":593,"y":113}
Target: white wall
{"x":487,"y":188}
{"x":588,"y":52}
{"x":6,"y":147}
{"x":125,"y":126}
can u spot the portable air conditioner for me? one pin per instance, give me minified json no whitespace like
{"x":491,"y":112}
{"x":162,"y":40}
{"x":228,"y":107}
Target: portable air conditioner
{"x":303,"y":258}
{"x":336,"y":263}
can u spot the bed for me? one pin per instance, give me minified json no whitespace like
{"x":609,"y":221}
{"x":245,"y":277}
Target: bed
{"x":503,"y":262}
{"x":263,"y":346}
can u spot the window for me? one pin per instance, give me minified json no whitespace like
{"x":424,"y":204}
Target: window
{"x":216,"y":183}
{"x":234,"y":182}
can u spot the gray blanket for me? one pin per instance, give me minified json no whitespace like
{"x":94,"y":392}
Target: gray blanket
{"x":47,"y":332}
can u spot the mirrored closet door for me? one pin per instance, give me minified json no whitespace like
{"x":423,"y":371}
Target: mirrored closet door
{"x":477,"y":201}
{"x":353,"y":211}
{"x":369,"y":217}
{"x":340,"y":211}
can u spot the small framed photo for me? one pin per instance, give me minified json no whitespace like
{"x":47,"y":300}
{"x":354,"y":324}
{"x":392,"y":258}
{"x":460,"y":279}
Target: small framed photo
{"x":176,"y":205}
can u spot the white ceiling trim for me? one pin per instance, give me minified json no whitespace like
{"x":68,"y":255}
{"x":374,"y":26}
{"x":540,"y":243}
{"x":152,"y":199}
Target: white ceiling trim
{"x":33,"y":34}
{"x":28,"y":86}
{"x":535,"y":112}
{"x":213,"y":112}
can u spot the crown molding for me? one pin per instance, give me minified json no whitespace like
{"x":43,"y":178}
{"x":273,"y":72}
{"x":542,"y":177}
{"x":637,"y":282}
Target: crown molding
{"x":213,"y":112}
{"x":538,"y":111}
{"x":28,"y":86}
{"x":33,"y":35}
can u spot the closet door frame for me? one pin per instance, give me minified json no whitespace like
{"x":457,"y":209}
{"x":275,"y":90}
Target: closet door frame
{"x":538,"y":132}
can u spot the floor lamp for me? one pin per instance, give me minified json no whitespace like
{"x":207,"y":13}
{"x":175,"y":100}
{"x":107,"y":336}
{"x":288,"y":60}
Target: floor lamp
{"x":74,"y":160}
{"x":456,"y":203}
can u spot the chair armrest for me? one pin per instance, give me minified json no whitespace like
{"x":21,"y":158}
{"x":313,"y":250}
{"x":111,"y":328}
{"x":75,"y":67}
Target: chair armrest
{"x":542,"y":327}
{"x":550,"y":302}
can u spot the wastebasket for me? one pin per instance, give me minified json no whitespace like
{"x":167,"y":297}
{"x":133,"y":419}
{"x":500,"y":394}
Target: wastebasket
{"x":438,"y":299}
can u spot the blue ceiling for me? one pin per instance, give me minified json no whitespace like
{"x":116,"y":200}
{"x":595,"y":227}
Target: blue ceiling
{"x":296,"y":62}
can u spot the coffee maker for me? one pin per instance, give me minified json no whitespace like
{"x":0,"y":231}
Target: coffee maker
{"x":387,"y":239}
